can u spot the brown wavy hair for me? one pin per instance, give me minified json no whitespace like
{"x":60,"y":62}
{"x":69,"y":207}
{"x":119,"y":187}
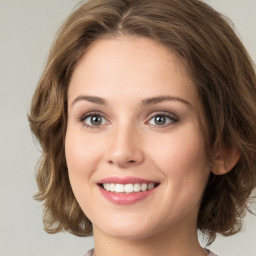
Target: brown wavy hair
{"x":220,"y":67}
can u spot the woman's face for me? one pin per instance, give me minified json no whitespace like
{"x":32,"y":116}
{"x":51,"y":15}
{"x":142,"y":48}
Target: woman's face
{"x":134,"y":146}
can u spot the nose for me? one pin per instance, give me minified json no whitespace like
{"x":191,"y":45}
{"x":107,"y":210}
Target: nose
{"x":125,"y":148}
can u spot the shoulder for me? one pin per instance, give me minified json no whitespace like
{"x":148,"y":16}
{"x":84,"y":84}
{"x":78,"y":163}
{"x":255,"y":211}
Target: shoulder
{"x":89,"y":253}
{"x":210,"y":253}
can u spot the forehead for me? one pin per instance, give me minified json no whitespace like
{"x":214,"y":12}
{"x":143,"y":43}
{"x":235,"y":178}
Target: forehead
{"x":132,"y":66}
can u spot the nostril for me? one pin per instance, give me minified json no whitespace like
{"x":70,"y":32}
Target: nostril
{"x":124,"y":158}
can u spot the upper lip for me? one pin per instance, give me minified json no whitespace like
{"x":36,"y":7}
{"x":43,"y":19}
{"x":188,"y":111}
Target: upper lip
{"x":125,"y":180}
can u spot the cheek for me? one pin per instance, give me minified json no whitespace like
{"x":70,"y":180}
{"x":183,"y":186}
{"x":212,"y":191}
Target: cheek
{"x":182,"y":156}
{"x":81,"y":152}
{"x":81,"y":156}
{"x":183,"y":162}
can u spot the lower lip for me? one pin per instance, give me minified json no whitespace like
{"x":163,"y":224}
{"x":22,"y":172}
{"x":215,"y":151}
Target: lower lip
{"x":126,"y":199}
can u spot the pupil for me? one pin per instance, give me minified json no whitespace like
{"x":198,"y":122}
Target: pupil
{"x":96,"y":120}
{"x":160,"y":119}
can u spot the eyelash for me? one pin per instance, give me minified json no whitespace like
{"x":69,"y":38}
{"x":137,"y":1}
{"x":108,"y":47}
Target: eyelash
{"x":173,"y":119}
{"x":82,"y":119}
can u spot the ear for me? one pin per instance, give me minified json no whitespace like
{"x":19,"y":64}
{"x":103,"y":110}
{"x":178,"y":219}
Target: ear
{"x":225,"y":160}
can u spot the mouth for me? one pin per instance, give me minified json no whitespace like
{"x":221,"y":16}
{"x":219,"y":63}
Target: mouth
{"x":128,"y":188}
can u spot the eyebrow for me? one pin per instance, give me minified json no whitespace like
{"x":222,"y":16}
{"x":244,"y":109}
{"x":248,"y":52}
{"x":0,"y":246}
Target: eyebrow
{"x":159,"y":99}
{"x":147,"y":101}
{"x":93,"y":99}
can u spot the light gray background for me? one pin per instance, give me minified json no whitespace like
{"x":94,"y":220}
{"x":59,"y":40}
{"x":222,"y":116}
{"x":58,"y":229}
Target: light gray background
{"x":27,"y":28}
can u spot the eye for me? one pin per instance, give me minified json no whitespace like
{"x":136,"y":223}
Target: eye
{"x":162,"y":119}
{"x":93,"y":120}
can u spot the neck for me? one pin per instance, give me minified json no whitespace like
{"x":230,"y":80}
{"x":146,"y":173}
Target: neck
{"x":165,"y":244}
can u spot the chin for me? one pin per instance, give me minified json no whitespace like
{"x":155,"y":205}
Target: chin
{"x":132,"y":234}
{"x":130,"y":230}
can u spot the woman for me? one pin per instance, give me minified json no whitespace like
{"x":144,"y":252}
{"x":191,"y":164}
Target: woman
{"x":146,"y":116}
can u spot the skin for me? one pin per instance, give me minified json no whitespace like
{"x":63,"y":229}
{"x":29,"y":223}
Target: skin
{"x":124,"y":71}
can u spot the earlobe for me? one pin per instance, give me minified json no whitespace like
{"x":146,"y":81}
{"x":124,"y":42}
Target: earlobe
{"x":225,"y":161}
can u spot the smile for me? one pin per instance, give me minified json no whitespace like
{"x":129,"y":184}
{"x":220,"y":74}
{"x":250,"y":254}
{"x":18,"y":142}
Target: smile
{"x":128,"y":188}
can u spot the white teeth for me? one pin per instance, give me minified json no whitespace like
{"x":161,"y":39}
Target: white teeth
{"x":150,"y":186}
{"x":119,"y":188}
{"x":136,"y":187}
{"x":112,"y":187}
{"x":128,"y":188}
{"x":144,"y":187}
